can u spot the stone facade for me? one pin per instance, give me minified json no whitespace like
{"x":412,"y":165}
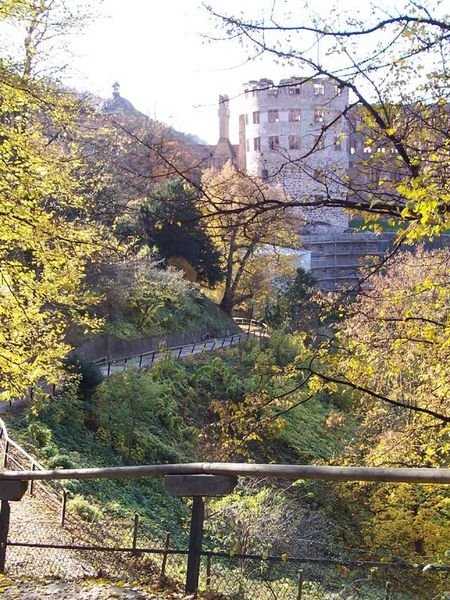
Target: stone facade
{"x":293,"y":133}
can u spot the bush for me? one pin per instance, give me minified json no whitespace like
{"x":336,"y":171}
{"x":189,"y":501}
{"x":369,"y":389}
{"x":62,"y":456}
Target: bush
{"x":61,"y":461}
{"x":84,"y":509}
{"x":38,"y":434}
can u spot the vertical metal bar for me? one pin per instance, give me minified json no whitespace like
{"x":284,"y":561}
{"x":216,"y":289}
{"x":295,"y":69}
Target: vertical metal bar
{"x":164,"y":560}
{"x":5,"y":455}
{"x":140,"y":361}
{"x":63,"y":508}
{"x":4,"y":528}
{"x":135,"y":532}
{"x":109,"y":368}
{"x":153,"y":357}
{"x":32,"y":481}
{"x":180,"y":351}
{"x":125,"y":364}
{"x":300,"y":585}
{"x":195,"y":545}
{"x":208,"y":572}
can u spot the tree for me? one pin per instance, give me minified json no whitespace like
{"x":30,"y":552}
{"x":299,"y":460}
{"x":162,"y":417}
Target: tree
{"x":292,"y":306}
{"x":230,"y":209}
{"x":171,"y":222}
{"x":395,"y":65}
{"x":46,"y":237}
{"x":394,"y":343}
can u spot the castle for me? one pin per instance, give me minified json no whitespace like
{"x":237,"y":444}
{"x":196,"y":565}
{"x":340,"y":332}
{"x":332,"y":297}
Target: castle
{"x":301,"y":134}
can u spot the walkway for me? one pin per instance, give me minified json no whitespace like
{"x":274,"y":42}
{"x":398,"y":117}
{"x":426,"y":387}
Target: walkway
{"x":253,"y":329}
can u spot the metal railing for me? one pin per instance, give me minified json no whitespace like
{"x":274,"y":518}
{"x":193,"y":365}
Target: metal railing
{"x":244,"y":575}
{"x":146,"y":359}
{"x":252,"y":322}
{"x":15,"y":458}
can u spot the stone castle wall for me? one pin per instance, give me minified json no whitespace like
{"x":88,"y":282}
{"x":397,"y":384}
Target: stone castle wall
{"x":286,"y":137}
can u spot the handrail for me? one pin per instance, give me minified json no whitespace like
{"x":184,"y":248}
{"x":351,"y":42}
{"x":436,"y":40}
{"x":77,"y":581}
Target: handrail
{"x":36,"y":467}
{"x":246,"y":321}
{"x":102,"y":361}
{"x":322,"y":472}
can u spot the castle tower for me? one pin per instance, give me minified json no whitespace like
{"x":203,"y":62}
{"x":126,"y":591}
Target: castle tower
{"x":291,"y":134}
{"x":224,"y":150}
{"x":224,"y":118}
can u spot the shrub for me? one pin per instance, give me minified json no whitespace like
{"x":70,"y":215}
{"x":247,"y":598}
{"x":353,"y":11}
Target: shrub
{"x":38,"y":434}
{"x":84,"y":509}
{"x":61,"y":461}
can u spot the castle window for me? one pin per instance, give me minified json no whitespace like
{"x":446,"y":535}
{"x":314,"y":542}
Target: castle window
{"x":294,"y":142}
{"x":273,"y":91}
{"x":273,"y":116}
{"x":381,"y":149}
{"x":247,"y":144}
{"x":338,"y":90}
{"x":256,"y":116}
{"x":294,"y":115}
{"x":352,"y":149}
{"x":319,"y":115}
{"x":265,"y":174}
{"x":274,"y":142}
{"x":294,"y":90}
{"x":319,"y":89}
{"x":257,"y":144}
{"x":367,"y":150}
{"x":246,"y":119}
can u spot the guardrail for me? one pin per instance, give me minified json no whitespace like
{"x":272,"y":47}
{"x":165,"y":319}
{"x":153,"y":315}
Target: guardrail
{"x":266,"y":576}
{"x":16,"y":458}
{"x":146,"y":359}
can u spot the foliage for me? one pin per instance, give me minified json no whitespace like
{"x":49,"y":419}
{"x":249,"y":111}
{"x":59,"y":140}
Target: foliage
{"x":229,"y":205}
{"x":141,"y":298}
{"x":137,"y":416}
{"x":46,"y":235}
{"x":392,"y":351}
{"x":292,"y":306}
{"x":84,"y":509}
{"x":171,"y":222}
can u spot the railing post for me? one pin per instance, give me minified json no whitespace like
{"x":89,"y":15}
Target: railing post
{"x":208,"y":572}
{"x":388,"y":592}
{"x":5,"y":455}
{"x":195,"y":545}
{"x":32,"y":481}
{"x":300,"y":585}
{"x":125,"y":362}
{"x":153,"y":357}
{"x":4,"y":528}
{"x":63,"y":508}
{"x":135,"y":532}
{"x":180,"y":351}
{"x":140,"y":361}
{"x":164,"y":560}
{"x":109,"y":368}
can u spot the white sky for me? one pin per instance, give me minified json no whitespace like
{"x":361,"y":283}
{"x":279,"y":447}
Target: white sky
{"x":159,"y":53}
